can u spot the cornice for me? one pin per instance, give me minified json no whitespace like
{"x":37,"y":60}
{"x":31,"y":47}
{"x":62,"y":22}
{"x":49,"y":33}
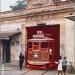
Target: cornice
{"x":32,"y":12}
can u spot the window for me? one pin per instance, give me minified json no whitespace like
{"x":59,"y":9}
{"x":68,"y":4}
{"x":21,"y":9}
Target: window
{"x":44,"y":45}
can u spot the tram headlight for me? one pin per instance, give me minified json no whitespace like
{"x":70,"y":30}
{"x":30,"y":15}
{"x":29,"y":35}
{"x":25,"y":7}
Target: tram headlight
{"x":50,"y":51}
{"x":35,"y":56}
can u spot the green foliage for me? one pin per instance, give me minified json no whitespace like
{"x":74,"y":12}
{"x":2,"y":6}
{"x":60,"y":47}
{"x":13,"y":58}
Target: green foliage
{"x":21,"y":4}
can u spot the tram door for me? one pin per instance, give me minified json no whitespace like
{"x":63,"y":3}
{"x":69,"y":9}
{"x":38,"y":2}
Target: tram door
{"x":48,"y":54}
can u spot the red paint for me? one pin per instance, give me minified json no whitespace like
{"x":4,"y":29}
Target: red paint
{"x":54,"y":31}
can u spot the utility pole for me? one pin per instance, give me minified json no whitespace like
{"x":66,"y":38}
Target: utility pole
{"x":0,"y":31}
{"x":0,"y":46}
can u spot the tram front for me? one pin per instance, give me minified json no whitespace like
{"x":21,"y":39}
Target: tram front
{"x":39,"y":51}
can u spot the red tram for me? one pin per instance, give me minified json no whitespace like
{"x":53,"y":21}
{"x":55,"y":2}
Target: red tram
{"x":40,"y":54}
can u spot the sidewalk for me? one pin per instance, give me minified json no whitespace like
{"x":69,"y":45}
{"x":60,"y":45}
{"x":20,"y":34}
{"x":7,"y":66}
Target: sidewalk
{"x":14,"y":70}
{"x":8,"y":67}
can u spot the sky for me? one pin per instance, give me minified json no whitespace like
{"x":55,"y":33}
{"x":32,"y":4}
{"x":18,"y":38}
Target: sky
{"x":4,"y":4}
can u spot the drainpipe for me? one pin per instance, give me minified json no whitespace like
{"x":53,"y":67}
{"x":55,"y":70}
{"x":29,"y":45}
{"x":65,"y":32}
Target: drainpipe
{"x":0,"y":30}
{"x":21,"y":42}
{"x":74,"y":44}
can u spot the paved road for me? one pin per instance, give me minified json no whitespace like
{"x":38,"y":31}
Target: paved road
{"x":41,"y":72}
{"x":14,"y":70}
{"x":28,"y":72}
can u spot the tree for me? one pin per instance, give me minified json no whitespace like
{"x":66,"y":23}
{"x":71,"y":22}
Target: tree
{"x":20,"y":4}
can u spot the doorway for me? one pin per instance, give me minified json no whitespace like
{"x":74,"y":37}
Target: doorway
{"x":49,"y":31}
{"x":6,"y":51}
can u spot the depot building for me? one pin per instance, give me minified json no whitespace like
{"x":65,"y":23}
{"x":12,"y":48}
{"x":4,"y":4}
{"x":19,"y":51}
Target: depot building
{"x":16,"y":27}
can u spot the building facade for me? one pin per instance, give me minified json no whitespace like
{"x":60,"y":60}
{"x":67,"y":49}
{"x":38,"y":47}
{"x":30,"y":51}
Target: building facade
{"x":13,"y":33}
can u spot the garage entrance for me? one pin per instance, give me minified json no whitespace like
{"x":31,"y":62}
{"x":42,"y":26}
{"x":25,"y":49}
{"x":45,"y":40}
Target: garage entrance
{"x":43,"y":34}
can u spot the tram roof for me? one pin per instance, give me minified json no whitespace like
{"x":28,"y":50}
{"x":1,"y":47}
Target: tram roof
{"x":41,"y":40}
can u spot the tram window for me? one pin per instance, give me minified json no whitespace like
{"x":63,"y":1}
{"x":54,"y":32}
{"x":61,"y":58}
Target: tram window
{"x":44,"y":45}
{"x":35,"y":43}
{"x":36,"y":47}
{"x":30,"y":45}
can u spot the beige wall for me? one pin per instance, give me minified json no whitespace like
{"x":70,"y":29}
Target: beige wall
{"x":15,"y":48}
{"x":70,"y":40}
